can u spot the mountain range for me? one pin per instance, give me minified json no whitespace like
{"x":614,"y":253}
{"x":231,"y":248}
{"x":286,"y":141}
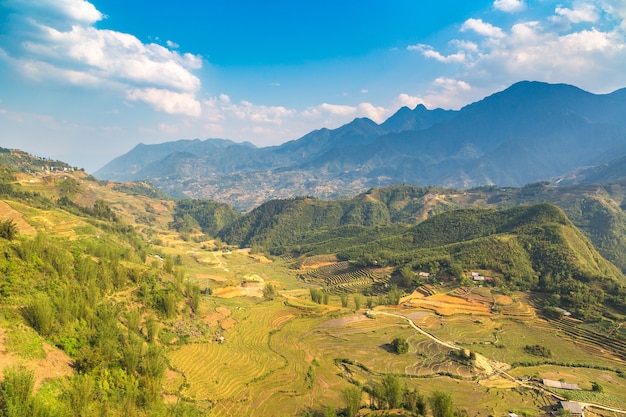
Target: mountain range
{"x":531,"y":131}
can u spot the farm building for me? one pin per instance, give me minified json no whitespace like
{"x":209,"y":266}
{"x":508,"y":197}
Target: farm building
{"x":573,"y":407}
{"x":559,"y":384}
{"x":563,"y":311}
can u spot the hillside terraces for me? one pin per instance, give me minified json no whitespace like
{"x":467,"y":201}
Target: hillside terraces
{"x":343,"y":277}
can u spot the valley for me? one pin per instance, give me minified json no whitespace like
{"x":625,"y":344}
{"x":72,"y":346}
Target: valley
{"x":131,"y":302}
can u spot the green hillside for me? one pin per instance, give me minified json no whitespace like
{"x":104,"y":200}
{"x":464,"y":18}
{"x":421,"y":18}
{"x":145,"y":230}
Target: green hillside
{"x":526,"y":247}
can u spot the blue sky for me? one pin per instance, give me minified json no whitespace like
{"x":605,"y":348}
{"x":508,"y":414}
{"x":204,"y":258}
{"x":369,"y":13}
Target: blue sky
{"x":85,"y":81}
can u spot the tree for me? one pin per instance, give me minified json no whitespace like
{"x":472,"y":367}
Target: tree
{"x":40,"y":314}
{"x":352,"y":400}
{"x":414,"y":402}
{"x":441,"y":404}
{"x":596,"y":387}
{"x":269,"y":292}
{"x":394,"y":295}
{"x":8,"y":229}
{"x":329,"y":411}
{"x":400,"y":345}
{"x":392,"y":391}
{"x":407,"y":275}
{"x":344,"y":300}
{"x":357,"y":301}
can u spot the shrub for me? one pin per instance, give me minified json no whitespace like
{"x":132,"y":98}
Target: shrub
{"x":400,"y":345}
{"x":8,"y":229}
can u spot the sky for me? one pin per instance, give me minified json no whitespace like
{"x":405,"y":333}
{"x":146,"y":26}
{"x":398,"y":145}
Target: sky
{"x":86,"y":81}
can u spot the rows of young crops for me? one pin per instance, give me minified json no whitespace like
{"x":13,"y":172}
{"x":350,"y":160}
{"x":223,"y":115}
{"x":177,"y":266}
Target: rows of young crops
{"x":342,"y":277}
{"x":570,"y":328}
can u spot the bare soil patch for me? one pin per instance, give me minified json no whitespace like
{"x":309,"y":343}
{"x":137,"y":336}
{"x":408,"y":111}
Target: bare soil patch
{"x":8,"y":213}
{"x":447,"y":305}
{"x":218,"y":315}
{"x":228,"y":323}
{"x":250,"y":289}
{"x":56,"y":364}
{"x":213,"y":277}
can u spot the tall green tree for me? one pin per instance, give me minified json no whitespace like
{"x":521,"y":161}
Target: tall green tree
{"x":392,"y":389}
{"x":352,"y":400}
{"x":441,"y":404}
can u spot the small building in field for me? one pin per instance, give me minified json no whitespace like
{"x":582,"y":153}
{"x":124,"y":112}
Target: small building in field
{"x":220,"y":339}
{"x":573,"y":407}
{"x":560,"y":384}
{"x":563,"y":311}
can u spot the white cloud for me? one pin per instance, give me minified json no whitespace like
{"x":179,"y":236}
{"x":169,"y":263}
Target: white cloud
{"x":167,"y":101}
{"x":582,"y":12}
{"x":248,"y":111}
{"x":464,"y":45}
{"x":588,"y":57}
{"x":407,"y":100}
{"x":429,"y":52}
{"x":338,"y":109}
{"x":172,"y":44}
{"x":482,"y":28}
{"x":376,"y":113}
{"x":56,"y":41}
{"x":509,"y":6}
{"x":58,"y":12}
{"x":450,"y":84}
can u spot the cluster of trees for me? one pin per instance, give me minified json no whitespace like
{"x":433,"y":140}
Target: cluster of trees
{"x":538,"y":350}
{"x":391,"y":393}
{"x":319,"y":296}
{"x":209,"y":216}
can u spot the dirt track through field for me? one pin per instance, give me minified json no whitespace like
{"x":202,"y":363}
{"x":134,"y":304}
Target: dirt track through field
{"x":489,"y":366}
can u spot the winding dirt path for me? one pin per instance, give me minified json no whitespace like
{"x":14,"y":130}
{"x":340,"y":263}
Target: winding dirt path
{"x":493,"y":367}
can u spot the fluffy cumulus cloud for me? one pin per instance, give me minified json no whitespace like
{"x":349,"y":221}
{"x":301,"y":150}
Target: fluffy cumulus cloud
{"x":509,"y":6}
{"x":581,"y":43}
{"x":56,"y":40}
{"x":581,"y":12}
{"x":338,"y":109}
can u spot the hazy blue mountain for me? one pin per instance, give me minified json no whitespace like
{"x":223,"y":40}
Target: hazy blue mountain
{"x":610,"y":172}
{"x":528,"y":132}
{"x":129,"y":167}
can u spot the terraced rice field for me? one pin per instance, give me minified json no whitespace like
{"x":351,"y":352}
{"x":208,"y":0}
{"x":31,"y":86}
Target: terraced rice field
{"x":589,"y":340}
{"x":343,"y":277}
{"x":446,"y":305}
{"x":259,"y":369}
{"x":433,"y":359}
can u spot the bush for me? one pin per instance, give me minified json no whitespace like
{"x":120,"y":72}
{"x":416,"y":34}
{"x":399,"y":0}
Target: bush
{"x":538,"y":350}
{"x":8,"y":229}
{"x":400,"y":345}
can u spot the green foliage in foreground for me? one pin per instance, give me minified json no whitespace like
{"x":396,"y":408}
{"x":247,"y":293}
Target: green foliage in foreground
{"x":65,"y":291}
